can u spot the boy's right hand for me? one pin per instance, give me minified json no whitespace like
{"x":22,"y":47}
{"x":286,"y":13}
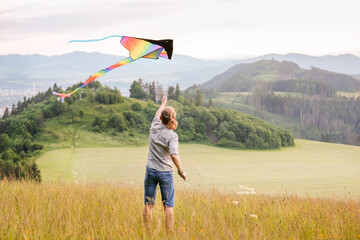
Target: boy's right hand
{"x":182,"y":175}
{"x":164,"y":100}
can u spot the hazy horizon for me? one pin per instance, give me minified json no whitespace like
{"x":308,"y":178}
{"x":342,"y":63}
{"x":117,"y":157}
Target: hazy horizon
{"x":219,"y":58}
{"x":205,"y":29}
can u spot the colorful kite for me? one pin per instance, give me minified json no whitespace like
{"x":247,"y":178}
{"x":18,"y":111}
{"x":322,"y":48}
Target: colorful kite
{"x":137,"y":47}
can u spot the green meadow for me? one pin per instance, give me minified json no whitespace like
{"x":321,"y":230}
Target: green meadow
{"x":310,"y":168}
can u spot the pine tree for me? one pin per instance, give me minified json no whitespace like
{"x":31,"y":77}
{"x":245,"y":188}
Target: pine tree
{"x":13,"y":109}
{"x":55,"y":88}
{"x":140,"y":81}
{"x":171,"y":93}
{"x":152,"y":91}
{"x":177,"y":92}
{"x":199,"y":100}
{"x":6,"y":113}
{"x":211,"y":104}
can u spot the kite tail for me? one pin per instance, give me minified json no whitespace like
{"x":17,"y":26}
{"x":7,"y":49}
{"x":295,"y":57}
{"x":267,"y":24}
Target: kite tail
{"x":95,"y":40}
{"x":62,"y":96}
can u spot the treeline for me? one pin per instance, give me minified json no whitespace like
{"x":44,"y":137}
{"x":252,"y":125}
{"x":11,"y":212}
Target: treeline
{"x":338,"y":81}
{"x":306,"y":87}
{"x":331,"y":119}
{"x":147,"y":91}
{"x":219,"y":126}
{"x":310,"y":88}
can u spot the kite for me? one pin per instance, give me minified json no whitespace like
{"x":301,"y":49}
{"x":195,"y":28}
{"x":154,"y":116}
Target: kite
{"x":137,"y":47}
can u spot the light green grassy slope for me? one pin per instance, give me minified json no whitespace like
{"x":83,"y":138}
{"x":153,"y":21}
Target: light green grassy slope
{"x":315,"y":168}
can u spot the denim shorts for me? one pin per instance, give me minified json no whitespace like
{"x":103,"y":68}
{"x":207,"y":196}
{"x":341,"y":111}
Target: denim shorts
{"x":166,"y":182}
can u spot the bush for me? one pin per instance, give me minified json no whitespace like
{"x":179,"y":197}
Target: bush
{"x":134,"y":120}
{"x":108,"y":97}
{"x":117,"y":121}
{"x":136,"y":106}
{"x":228,"y":135}
{"x":224,"y":142}
{"x":36,"y":146}
{"x":99,"y":124}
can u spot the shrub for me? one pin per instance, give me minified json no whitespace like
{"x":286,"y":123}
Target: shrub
{"x":223,"y":142}
{"x":117,"y":121}
{"x":99,"y":124}
{"x":136,"y":106}
{"x":108,"y":97}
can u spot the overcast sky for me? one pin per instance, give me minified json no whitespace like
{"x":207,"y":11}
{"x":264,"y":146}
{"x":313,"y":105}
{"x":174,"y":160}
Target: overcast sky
{"x":200,"y":28}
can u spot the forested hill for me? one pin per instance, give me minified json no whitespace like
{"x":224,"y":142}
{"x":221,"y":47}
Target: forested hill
{"x":246,"y":76}
{"x":100,"y":116}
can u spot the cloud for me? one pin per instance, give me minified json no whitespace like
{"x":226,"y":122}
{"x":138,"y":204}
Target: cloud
{"x":47,"y":19}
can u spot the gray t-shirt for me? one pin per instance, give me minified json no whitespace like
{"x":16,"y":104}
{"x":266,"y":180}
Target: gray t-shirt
{"x":163,"y":142}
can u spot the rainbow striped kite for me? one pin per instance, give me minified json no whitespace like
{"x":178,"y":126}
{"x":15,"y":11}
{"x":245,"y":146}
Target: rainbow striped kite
{"x":137,"y":47}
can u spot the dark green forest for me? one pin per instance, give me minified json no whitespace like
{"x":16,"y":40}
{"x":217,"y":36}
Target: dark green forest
{"x":329,"y":119}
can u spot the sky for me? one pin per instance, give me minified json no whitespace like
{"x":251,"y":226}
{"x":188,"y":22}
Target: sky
{"x":206,"y":29}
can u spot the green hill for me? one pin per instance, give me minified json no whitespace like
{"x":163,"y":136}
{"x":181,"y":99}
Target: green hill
{"x":99,"y":116}
{"x":246,"y":76}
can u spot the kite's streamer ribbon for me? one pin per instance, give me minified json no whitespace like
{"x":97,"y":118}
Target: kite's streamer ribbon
{"x":95,"y":40}
{"x":137,"y":47}
{"x":62,"y":96}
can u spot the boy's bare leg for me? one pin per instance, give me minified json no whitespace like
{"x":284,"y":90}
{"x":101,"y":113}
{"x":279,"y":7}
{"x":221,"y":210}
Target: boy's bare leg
{"x":169,"y":213}
{"x":148,"y":214}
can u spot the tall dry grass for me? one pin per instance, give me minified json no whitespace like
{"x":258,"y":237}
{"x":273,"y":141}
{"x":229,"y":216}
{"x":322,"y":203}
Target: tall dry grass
{"x":102,"y":211}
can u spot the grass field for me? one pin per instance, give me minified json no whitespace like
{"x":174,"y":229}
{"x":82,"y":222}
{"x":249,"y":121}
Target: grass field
{"x":107,"y":211}
{"x":310,"y":168}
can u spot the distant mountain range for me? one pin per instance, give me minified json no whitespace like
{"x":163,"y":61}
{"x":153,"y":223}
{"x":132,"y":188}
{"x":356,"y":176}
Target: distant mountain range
{"x":20,"y":73}
{"x":244,"y":76}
